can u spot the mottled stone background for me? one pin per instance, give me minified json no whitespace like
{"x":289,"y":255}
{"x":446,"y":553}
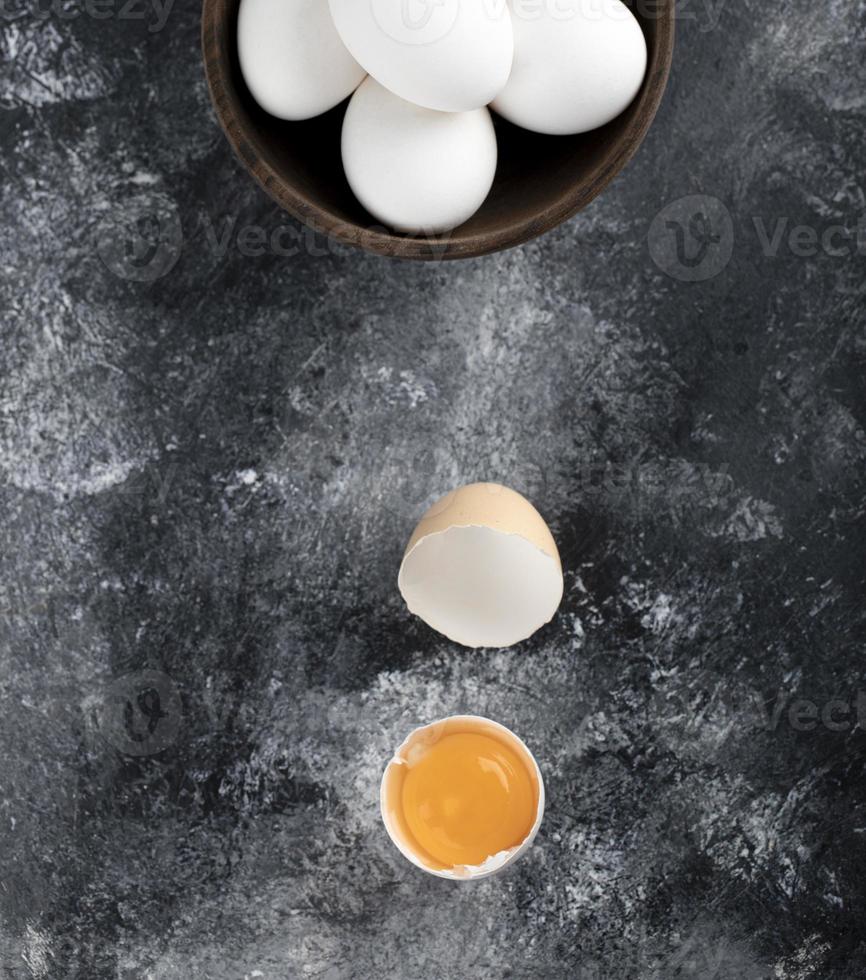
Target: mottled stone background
{"x":209,"y":476}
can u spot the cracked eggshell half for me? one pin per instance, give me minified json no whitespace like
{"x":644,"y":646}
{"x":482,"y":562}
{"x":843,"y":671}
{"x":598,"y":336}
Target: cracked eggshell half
{"x":482,"y":567}
{"x":412,"y":749}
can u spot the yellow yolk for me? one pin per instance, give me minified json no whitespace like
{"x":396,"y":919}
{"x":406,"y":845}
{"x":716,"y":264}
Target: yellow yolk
{"x":469,"y":796}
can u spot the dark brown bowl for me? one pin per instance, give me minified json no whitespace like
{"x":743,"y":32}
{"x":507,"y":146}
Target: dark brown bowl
{"x":540,"y":180}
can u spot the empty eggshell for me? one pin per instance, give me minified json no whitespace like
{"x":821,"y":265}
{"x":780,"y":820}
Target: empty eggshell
{"x":414,"y":169}
{"x":292,"y":58}
{"x":577,"y":65}
{"x":482,"y":567}
{"x":451,"y":55}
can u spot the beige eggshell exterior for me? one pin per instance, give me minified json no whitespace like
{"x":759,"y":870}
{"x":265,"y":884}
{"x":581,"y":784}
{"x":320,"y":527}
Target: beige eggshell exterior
{"x":392,"y":783}
{"x":487,"y":505}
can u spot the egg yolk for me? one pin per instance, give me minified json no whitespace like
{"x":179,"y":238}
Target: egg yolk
{"x":469,"y":796}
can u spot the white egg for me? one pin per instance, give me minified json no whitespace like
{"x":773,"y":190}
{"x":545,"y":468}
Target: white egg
{"x":415,"y":169}
{"x":292,"y":58}
{"x":577,"y":65}
{"x":452,"y":55}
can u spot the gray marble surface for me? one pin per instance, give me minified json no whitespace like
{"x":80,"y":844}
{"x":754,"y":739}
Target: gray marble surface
{"x":211,"y":460}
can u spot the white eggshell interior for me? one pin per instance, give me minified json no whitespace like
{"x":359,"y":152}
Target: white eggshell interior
{"x":479,"y":586}
{"x":414,"y":169}
{"x":450,"y":55}
{"x":577,"y":65}
{"x":292,"y":58}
